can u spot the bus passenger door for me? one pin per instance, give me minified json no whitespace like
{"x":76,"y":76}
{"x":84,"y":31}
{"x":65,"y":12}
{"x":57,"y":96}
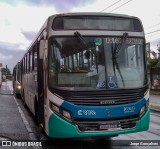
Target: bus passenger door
{"x":40,"y":80}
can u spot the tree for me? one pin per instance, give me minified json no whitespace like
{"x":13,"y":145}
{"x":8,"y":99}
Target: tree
{"x":155,"y":62}
{"x":5,"y":71}
{"x":158,"y":63}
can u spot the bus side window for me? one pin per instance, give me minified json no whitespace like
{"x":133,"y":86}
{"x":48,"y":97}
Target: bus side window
{"x":23,"y":66}
{"x":31,"y":60}
{"x":35,"y":59}
{"x":26,"y":64}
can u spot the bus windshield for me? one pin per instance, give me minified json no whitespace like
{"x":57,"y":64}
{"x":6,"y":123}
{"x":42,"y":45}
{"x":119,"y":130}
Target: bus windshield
{"x":88,"y":64}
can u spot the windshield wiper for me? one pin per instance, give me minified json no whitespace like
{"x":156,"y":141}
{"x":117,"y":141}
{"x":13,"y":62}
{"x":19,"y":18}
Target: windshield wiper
{"x":83,"y":41}
{"x":79,"y":36}
{"x":115,"y":51}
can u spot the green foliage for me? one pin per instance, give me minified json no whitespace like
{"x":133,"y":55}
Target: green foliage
{"x":9,"y":77}
{"x":6,"y":71}
{"x":158,"y":64}
{"x":152,"y":63}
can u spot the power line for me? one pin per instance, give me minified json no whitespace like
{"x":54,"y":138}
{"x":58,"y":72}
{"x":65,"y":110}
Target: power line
{"x":121,"y":5}
{"x":152,"y":35}
{"x":154,"y":25}
{"x":111,"y":5}
{"x":153,"y":32}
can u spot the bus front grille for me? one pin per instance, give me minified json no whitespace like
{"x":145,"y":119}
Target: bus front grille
{"x":104,"y":99}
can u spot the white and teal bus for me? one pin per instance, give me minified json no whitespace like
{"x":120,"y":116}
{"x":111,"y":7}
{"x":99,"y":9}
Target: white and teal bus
{"x":85,"y":75}
{"x":17,"y":80}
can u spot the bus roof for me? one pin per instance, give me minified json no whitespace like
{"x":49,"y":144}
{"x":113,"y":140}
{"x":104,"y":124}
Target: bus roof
{"x":50,"y":18}
{"x":93,"y":14}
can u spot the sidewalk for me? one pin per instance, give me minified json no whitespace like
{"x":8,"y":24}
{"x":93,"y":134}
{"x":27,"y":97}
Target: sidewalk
{"x":155,"y":101}
{"x":6,"y":88}
{"x":11,"y":124}
{"x":152,"y":92}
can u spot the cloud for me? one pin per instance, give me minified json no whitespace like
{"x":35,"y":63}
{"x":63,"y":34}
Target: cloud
{"x":29,"y":35}
{"x":59,"y":5}
{"x":154,"y":44}
{"x":17,"y":28}
{"x":10,"y":54}
{"x":67,"y":5}
{"x":10,"y":57}
{"x":11,"y":2}
{"x":13,"y":46}
{"x":5,"y":57}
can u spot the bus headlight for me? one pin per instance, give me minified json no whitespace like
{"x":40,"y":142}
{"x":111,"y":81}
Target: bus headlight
{"x":61,"y":112}
{"x":142,"y":111}
{"x":54,"y":108}
{"x":144,"y":108}
{"x":66,"y":115}
{"x":19,"y":86}
{"x":146,"y":95}
{"x":147,"y":104}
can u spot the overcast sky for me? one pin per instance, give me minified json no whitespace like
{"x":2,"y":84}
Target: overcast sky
{"x":20,"y":20}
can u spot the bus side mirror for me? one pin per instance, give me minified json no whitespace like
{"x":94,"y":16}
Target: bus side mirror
{"x":42,"y":49}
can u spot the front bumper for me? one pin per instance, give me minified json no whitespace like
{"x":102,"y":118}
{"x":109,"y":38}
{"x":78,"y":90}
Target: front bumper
{"x":60,"y":128}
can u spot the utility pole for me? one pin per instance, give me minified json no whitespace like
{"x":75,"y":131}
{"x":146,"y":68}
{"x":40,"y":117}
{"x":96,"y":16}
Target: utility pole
{"x":148,"y":49}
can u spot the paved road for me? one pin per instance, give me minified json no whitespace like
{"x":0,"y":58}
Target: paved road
{"x":155,"y":99}
{"x":16,"y":122}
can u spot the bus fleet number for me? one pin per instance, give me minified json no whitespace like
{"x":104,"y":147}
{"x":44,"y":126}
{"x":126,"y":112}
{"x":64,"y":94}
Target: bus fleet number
{"x":86,"y":112}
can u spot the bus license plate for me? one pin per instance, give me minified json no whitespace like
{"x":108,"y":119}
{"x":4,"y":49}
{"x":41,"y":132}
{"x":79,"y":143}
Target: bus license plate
{"x":108,"y":126}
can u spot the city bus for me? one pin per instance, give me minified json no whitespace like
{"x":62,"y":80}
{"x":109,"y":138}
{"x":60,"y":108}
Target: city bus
{"x":17,"y":80}
{"x":84,"y":75}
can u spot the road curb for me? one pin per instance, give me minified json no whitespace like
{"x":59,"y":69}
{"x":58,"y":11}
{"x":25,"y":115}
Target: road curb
{"x":27,"y":125}
{"x":155,"y":110}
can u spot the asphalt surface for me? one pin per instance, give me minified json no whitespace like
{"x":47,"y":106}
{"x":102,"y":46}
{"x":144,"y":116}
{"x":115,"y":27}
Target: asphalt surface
{"x":17,"y":123}
{"x":12,"y":126}
{"x":155,"y":99}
